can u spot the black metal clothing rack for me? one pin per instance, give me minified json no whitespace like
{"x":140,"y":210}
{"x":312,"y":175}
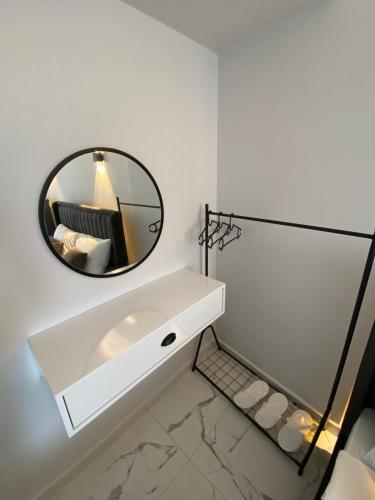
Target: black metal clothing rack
{"x":154,"y":227}
{"x":349,"y":336}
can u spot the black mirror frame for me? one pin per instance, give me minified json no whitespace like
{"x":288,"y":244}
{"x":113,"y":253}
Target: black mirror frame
{"x":44,"y":192}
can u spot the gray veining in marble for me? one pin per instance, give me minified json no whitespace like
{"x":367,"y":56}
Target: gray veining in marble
{"x":236,"y":457}
{"x":130,"y":457}
{"x":240,"y":485}
{"x":140,"y":464}
{"x":191,"y":484}
{"x":188,"y":407}
{"x":193,"y":445}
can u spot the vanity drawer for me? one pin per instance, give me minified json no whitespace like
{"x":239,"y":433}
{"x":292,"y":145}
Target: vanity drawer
{"x":93,"y":394}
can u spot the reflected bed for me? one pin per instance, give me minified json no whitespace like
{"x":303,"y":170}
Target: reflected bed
{"x":97,"y":222}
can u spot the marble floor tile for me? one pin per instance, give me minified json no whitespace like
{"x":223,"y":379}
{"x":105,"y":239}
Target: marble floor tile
{"x":190,"y":484}
{"x":190,"y":408}
{"x":138,"y":465}
{"x":213,"y":458}
{"x":243,"y":464}
{"x":193,"y":445}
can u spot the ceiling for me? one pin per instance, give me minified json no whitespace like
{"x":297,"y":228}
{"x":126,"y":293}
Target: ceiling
{"x":215,"y":23}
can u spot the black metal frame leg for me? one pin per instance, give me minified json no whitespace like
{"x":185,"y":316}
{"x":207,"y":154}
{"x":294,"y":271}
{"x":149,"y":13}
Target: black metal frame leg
{"x":209,"y":327}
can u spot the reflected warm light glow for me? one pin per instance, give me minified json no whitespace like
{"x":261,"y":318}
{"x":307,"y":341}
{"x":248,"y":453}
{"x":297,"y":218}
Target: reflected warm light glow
{"x":326,"y":441}
{"x":115,"y":342}
{"x":124,"y":334}
{"x":112,"y":344}
{"x":131,"y":319}
{"x":89,"y":206}
{"x":100,"y":167}
{"x":104,"y":196}
{"x":301,"y":420}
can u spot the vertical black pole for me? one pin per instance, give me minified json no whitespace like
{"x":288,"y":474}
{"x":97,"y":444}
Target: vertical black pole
{"x":118,"y":204}
{"x":206,"y":217}
{"x":345,"y":351}
{"x":206,"y":221}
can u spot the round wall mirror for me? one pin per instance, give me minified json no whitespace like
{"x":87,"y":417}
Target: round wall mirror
{"x":101,"y":212}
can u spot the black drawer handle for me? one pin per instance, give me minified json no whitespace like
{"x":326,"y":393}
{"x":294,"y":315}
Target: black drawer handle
{"x":169,"y":339}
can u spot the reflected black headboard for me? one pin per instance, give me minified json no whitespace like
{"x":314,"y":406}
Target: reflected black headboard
{"x":97,"y":222}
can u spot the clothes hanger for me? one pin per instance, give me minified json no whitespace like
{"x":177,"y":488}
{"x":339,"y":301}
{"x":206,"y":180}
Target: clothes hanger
{"x":154,"y":227}
{"x":237,"y":236}
{"x":229,"y":228}
{"x":212,"y":242}
{"x":217,"y":227}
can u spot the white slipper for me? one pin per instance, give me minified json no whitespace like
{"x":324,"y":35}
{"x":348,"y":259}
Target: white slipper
{"x":272,"y":410}
{"x":289,"y":438}
{"x":301,"y":420}
{"x":252,"y":394}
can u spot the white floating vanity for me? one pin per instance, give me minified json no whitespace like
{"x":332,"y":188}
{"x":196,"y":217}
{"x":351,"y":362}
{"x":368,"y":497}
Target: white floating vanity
{"x":92,"y":360}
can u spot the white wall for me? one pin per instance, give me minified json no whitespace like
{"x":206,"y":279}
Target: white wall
{"x":75,"y":75}
{"x":296,"y":142}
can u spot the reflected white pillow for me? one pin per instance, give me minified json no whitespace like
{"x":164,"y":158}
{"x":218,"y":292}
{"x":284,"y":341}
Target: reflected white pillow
{"x":98,"y":253}
{"x":68,"y":236}
{"x":351,"y":480}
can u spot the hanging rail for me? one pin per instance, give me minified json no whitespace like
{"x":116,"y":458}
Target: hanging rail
{"x":294,"y":224}
{"x":354,"y":318}
{"x":133,"y":204}
{"x":154,"y":227}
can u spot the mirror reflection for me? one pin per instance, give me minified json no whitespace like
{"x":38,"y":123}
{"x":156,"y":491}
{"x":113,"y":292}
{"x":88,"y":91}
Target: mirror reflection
{"x":102,"y":212}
